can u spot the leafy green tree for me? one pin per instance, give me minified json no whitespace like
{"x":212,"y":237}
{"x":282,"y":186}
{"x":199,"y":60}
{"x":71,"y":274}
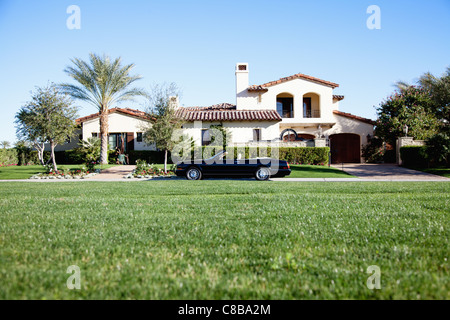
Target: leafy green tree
{"x":438,"y":89}
{"x":102,"y":83}
{"x":410,"y":107}
{"x":48,"y":117}
{"x":438,"y":149}
{"x":163,"y":120}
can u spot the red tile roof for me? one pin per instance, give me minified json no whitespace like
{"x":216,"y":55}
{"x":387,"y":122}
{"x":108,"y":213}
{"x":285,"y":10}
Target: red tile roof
{"x":352,"y":116}
{"x":131,"y":112}
{"x":263,"y":87}
{"x":220,"y":106}
{"x":226,"y":112}
{"x":256,"y":88}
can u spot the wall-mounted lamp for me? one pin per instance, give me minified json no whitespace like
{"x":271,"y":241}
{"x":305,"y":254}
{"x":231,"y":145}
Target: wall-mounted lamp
{"x":405,"y":130}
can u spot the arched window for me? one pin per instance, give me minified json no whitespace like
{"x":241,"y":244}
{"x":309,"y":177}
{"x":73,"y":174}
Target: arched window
{"x":311,"y":105}
{"x":285,"y":105}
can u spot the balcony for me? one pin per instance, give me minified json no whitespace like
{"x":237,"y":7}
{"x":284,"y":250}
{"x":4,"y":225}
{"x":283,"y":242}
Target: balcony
{"x":311,"y":114}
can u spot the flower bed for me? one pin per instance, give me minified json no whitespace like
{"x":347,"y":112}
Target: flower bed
{"x":66,"y":174}
{"x":149,"y":171}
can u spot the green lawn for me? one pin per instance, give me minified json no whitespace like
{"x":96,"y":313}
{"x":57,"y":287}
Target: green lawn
{"x":305,"y":171}
{"x":445,"y":172}
{"x":25,"y":172}
{"x":224,"y":239}
{"x":298,"y":171}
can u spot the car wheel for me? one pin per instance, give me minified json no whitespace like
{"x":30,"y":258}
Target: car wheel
{"x":262,"y":174}
{"x":193,"y":173}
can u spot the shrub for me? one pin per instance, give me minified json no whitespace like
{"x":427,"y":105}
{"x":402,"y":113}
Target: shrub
{"x":112,"y":156}
{"x":373,"y":151}
{"x":48,"y":168}
{"x":438,"y":150}
{"x":90,"y":166}
{"x":8,"y":157}
{"x":25,"y":155}
{"x":148,"y":156}
{"x":414,"y":156}
{"x":311,"y":155}
{"x":74,"y":156}
{"x":141,"y":165}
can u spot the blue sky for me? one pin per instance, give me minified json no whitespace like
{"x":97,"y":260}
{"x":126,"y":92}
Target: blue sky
{"x":197,"y":44}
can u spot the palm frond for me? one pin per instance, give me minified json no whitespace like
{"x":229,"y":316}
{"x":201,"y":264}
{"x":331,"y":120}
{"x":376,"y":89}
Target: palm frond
{"x":102,"y":81}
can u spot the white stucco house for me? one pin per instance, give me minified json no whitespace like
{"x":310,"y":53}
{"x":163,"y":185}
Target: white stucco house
{"x":125,"y":127}
{"x":298,"y":110}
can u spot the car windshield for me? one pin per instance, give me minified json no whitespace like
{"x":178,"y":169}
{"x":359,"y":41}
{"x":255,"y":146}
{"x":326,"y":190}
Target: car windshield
{"x":218,"y":156}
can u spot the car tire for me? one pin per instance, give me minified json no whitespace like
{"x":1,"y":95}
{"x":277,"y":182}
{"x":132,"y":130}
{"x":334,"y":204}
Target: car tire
{"x":193,"y":173}
{"x":262,"y":174}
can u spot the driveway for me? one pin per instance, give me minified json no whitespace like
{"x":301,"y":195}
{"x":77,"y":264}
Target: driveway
{"x":386,"y":172}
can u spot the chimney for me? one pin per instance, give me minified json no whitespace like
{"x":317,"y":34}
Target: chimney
{"x":174,"y":102}
{"x":241,"y":82}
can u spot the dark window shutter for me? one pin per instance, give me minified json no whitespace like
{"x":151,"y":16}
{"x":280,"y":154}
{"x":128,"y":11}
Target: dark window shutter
{"x":130,"y":141}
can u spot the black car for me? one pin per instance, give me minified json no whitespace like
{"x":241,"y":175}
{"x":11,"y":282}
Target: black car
{"x":218,"y":166}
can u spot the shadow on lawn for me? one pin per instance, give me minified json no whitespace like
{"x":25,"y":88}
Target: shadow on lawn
{"x":317,"y":169}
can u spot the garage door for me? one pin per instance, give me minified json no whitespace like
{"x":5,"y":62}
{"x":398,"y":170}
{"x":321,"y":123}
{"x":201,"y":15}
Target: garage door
{"x":345,"y":147}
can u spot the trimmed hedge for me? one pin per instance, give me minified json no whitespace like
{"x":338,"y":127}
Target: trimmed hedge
{"x":311,"y":155}
{"x":66,"y":157}
{"x":414,"y":156}
{"x":20,"y":157}
{"x":302,"y":155}
{"x":8,"y":157}
{"x":76,"y":156}
{"x":148,"y":156}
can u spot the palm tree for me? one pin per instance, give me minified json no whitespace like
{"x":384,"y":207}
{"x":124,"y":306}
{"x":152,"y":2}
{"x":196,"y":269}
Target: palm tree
{"x":439,"y":88}
{"x":102,"y":83}
{"x":402,"y":86}
{"x":5,"y":144}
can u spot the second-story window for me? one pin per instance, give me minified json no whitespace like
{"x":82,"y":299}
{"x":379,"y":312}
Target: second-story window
{"x":307,"y":112}
{"x":285,"y":107}
{"x":206,"y":137}
{"x":256,"y":134}
{"x":138,"y":136}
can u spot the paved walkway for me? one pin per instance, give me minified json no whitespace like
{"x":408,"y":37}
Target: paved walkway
{"x":113,"y":173}
{"x":386,"y":172}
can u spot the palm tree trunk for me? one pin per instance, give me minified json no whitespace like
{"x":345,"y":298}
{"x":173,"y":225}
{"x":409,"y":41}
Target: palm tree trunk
{"x":104,"y":137}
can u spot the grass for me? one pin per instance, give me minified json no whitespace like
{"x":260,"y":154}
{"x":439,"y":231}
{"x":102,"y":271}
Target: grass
{"x":445,"y":172}
{"x":307,"y":171}
{"x":224,"y":239}
{"x":25,"y":172}
{"x":298,"y":171}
